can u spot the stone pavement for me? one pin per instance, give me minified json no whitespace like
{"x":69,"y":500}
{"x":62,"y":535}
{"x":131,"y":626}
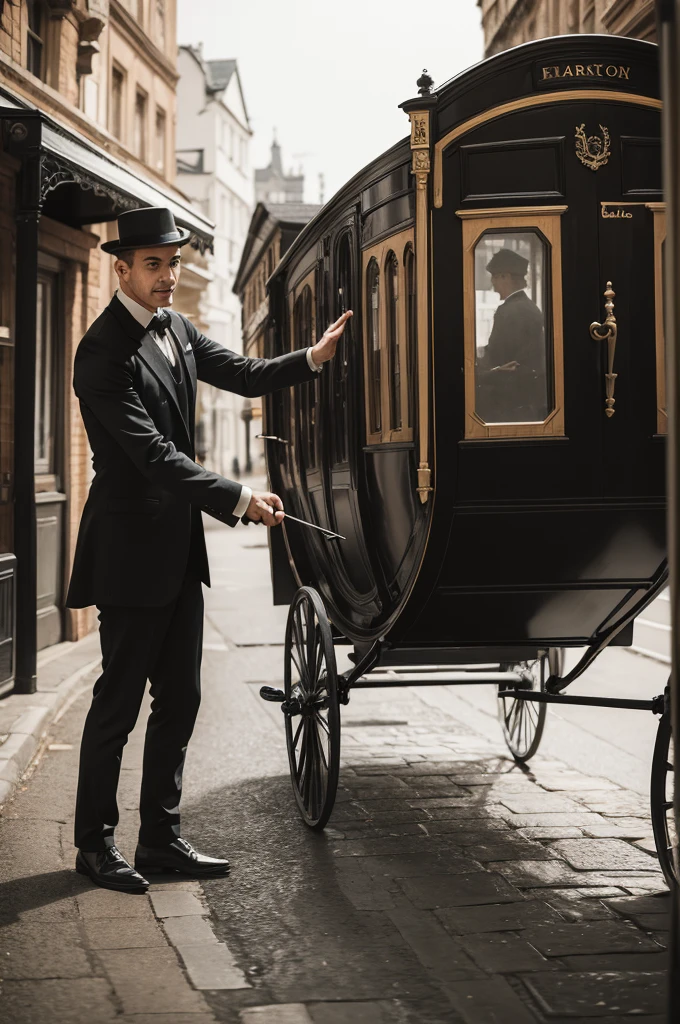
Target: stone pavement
{"x":451,"y":886}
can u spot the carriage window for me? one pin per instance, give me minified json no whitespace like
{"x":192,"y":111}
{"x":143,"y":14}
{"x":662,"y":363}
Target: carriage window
{"x":513,"y":379}
{"x":410,"y":295}
{"x":309,"y":398}
{"x":393,"y":339}
{"x":389,"y":339}
{"x":342,"y":356}
{"x":373,"y":323}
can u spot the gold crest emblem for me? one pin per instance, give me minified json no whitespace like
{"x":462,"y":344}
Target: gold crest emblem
{"x":593,"y":150}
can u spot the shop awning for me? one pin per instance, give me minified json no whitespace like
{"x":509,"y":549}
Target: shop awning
{"x":80,"y":183}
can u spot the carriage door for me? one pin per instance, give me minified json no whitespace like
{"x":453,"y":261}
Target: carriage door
{"x":630,"y":231}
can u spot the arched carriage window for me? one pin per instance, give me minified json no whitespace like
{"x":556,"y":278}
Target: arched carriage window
{"x":394,"y":353}
{"x":410,"y":298}
{"x":373,"y":333}
{"x":340,"y":363}
{"x":389,"y":338}
{"x":304,"y":338}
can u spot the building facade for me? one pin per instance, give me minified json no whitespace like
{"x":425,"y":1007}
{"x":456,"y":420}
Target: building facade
{"x":214,"y":170}
{"x":272,"y":230}
{"x":87,"y":115}
{"x":508,"y":23}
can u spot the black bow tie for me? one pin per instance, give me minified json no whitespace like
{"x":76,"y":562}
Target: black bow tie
{"x":160,"y":322}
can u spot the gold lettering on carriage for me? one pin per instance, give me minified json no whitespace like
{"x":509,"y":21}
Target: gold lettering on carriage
{"x":586,"y":71}
{"x":617,"y":213}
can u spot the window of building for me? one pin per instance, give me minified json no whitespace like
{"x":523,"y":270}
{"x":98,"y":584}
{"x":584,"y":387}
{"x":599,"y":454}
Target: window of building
{"x":35,"y":38}
{"x":117,"y":102}
{"x":46,"y":397}
{"x":373,"y":332}
{"x":161,"y":140}
{"x":513,"y":324}
{"x":393,"y":339}
{"x":139,"y":147}
{"x":161,"y":24}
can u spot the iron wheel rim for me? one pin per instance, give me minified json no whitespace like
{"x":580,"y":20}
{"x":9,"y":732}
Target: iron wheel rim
{"x":313,"y":736}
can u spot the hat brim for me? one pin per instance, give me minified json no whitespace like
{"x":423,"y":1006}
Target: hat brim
{"x":117,"y":246}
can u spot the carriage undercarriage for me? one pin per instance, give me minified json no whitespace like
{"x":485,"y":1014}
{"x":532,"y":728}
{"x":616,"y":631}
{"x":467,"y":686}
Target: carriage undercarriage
{"x":314,"y":692}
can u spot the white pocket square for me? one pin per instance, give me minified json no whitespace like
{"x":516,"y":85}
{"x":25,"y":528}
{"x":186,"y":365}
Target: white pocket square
{"x":188,"y":348}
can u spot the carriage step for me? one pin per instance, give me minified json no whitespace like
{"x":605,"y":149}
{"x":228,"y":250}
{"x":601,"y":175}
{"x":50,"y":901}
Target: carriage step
{"x":271,"y":693}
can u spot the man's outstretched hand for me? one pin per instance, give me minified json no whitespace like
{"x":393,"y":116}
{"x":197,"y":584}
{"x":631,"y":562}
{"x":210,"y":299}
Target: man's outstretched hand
{"x":265,"y":508}
{"x":325,"y":348}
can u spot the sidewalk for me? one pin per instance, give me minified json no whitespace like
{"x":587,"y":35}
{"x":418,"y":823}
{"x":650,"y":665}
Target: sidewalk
{"x":451,"y":887}
{"x":64,"y":671}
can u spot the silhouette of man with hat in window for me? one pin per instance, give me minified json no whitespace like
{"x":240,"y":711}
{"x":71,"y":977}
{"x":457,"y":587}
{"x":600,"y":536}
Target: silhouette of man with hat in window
{"x":511,"y":374}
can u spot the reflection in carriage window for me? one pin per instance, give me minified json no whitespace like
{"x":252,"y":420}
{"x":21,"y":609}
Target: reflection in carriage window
{"x":393,"y":339}
{"x":410,"y":293}
{"x":513,"y":373}
{"x":308,"y":392}
{"x":373,"y":323}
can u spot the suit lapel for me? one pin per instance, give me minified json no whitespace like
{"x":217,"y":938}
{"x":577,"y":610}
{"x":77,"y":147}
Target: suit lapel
{"x":160,"y":367}
{"x":152,"y":356}
{"x":186,"y":354}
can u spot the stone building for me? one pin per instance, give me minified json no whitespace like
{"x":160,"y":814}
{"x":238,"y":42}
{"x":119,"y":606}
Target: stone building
{"x":214,"y":170}
{"x":507,"y":23}
{"x":272,"y":230}
{"x":272,"y":185}
{"x":87,"y":115}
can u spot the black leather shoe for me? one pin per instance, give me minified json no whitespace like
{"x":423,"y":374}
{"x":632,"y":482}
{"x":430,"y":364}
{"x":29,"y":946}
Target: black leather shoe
{"x":109,"y":869}
{"x":180,"y":856}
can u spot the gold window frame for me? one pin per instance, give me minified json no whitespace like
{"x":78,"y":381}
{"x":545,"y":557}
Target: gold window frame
{"x":397,"y":244}
{"x":659,"y":214}
{"x":547,"y":220}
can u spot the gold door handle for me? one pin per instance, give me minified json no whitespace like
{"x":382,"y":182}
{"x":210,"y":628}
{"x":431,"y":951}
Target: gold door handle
{"x":607,"y":332}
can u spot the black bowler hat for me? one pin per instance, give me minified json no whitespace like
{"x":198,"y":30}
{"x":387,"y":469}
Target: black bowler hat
{"x":145,"y":229}
{"x":506,"y":261}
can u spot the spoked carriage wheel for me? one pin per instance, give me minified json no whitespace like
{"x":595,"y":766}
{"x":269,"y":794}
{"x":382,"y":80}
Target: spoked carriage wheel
{"x":312,"y":711}
{"x":523,"y":721}
{"x":662,"y":798}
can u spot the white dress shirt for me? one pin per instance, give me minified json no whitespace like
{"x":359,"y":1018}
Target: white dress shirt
{"x":143,"y":316}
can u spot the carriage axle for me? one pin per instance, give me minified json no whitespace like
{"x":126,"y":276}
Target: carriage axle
{"x":655,"y":705}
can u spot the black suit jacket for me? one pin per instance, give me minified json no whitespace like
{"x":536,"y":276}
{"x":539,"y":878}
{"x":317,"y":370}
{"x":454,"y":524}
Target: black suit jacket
{"x":517,"y":333}
{"x":142,"y":514}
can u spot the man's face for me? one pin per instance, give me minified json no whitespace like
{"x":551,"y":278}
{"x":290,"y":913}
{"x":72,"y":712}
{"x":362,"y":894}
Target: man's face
{"x":502,"y":283}
{"x":153,"y":276}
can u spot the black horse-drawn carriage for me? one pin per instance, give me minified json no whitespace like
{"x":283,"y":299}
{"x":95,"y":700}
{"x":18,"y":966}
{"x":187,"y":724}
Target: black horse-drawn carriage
{"x":489,"y":440}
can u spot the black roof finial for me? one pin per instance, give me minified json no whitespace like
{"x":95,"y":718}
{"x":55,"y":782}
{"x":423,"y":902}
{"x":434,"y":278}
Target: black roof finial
{"x":425,"y":83}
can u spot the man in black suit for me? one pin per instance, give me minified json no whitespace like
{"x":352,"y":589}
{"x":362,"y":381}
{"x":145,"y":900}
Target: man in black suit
{"x":141,"y":555}
{"x":511,"y":373}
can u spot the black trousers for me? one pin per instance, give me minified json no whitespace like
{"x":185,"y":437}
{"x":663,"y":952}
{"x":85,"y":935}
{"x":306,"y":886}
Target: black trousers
{"x":163,"y":645}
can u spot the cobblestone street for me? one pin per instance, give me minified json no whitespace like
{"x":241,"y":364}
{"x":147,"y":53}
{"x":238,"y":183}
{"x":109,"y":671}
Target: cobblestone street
{"x":450,"y":886}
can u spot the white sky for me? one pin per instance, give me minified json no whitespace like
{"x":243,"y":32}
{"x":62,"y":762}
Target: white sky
{"x":329,"y":76}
